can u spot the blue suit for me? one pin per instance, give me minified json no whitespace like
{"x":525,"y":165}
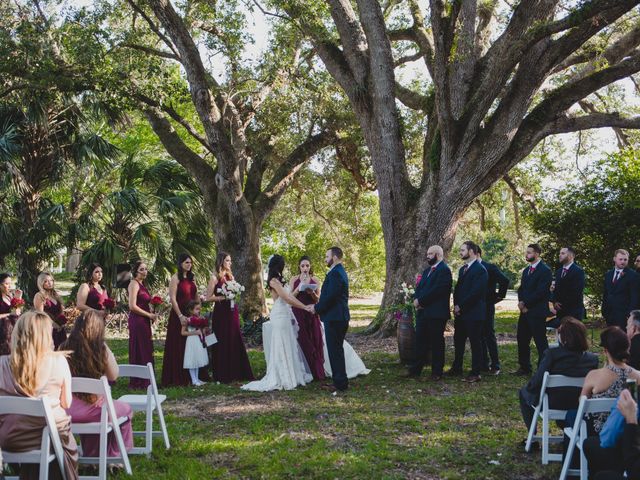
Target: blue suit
{"x":496,"y":290}
{"x":535,"y":292}
{"x":433,"y":294}
{"x":470,"y":295}
{"x":569,"y":292}
{"x":619,"y":298}
{"x":333,"y":308}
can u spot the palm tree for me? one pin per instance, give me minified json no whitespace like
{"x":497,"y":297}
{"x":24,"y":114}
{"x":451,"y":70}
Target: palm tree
{"x":42,"y":137}
{"x":155,"y":213}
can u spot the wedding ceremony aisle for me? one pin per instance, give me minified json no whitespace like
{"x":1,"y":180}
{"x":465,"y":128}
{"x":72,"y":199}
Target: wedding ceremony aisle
{"x":382,"y":427}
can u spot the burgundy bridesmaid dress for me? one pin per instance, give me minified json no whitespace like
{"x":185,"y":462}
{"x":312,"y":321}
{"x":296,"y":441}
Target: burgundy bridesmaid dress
{"x":310,"y":334}
{"x":172,"y":371}
{"x":4,"y":307}
{"x":54,"y":310}
{"x":230,"y":359}
{"x":95,"y":299}
{"x":140,"y":342}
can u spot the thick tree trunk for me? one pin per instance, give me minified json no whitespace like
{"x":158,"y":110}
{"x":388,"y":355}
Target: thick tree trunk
{"x":247,"y":265}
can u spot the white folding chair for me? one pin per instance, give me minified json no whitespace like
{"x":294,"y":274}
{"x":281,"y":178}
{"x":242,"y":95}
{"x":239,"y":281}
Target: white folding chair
{"x":543,"y":411}
{"x":109,"y":422}
{"x":578,"y":433}
{"x":35,"y":407}
{"x":148,"y":403}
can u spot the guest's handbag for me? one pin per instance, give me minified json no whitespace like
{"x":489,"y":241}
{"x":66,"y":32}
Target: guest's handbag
{"x":613,"y":428}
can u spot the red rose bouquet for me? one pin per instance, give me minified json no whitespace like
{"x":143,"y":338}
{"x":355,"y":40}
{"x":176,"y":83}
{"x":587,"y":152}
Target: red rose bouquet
{"x":156,"y":303}
{"x":17,"y":303}
{"x":109,"y":304}
{"x":199,"y":323}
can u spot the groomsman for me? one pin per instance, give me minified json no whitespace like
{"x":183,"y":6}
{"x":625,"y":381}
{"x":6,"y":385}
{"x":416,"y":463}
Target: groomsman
{"x":496,"y":291}
{"x":637,"y":264}
{"x":567,"y":296}
{"x":533,"y":303}
{"x":469,"y":308}
{"x":620,"y":291}
{"x":432,"y":312}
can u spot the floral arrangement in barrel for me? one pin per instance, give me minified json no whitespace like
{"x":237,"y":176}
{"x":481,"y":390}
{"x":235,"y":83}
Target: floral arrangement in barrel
{"x":406,"y":308}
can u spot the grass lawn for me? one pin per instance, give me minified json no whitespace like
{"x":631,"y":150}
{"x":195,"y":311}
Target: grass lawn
{"x":383,"y":427}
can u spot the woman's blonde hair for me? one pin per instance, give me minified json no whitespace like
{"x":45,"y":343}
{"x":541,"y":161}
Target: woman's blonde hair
{"x":31,"y":341}
{"x":40,"y":282}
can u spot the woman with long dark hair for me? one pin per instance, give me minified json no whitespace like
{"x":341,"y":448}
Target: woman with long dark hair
{"x":91,"y":358}
{"x":140,"y":320}
{"x":182,"y":290}
{"x":7,"y":293}
{"x":230,"y":359}
{"x":92,"y":293}
{"x":304,"y":287}
{"x":286,"y":365}
{"x":49,"y":301}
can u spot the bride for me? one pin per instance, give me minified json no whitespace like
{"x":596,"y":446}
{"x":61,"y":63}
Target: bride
{"x":286,"y":365}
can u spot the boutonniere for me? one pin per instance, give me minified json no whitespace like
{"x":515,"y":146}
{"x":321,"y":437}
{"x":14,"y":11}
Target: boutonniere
{"x":621,"y":274}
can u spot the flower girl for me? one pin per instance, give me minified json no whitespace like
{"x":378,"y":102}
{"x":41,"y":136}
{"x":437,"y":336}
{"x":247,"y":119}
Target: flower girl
{"x":195,"y":350}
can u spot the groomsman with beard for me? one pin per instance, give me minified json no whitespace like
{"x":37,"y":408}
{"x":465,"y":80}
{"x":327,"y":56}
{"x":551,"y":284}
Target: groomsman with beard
{"x":432,"y":312}
{"x":533,"y":303}
{"x":497,"y":281}
{"x":637,"y":264}
{"x":469,"y":300}
{"x":620,"y":291}
{"x":568,"y":291}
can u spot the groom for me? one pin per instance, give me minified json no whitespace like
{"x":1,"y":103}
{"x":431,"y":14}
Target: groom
{"x":333,"y":309}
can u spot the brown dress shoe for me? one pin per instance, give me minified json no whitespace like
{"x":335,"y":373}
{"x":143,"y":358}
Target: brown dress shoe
{"x":472,"y":379}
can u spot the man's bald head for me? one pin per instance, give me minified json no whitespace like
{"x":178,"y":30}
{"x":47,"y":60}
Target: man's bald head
{"x":435,"y":251}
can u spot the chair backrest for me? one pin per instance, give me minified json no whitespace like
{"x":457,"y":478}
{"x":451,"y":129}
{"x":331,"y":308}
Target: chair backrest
{"x":94,"y":386}
{"x":598,"y":405}
{"x":136,"y":371}
{"x":37,"y":407}
{"x":555,"y":381}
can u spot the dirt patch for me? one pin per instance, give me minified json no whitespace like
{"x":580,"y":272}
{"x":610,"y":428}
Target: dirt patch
{"x":225,"y":407}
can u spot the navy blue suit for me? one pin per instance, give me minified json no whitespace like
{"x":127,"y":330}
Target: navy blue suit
{"x":619,"y":298}
{"x":333,"y":308}
{"x":470,"y":295}
{"x":568,"y":291}
{"x":535,"y":292}
{"x":497,"y":287}
{"x":433,"y":294}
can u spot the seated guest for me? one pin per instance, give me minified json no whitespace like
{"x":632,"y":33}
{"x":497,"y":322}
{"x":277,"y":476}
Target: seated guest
{"x":633,"y":329}
{"x":571,"y":359}
{"x":92,"y":358}
{"x":630,"y":445}
{"x":34,"y":370}
{"x":609,"y":381}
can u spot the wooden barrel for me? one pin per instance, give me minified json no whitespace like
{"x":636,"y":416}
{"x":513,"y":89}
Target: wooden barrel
{"x":406,"y":338}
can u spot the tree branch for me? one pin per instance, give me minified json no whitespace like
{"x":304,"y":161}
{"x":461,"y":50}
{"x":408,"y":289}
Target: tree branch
{"x":154,"y":28}
{"x":413,"y":99}
{"x":566,"y":124}
{"x":152,"y":51}
{"x":285,"y":173}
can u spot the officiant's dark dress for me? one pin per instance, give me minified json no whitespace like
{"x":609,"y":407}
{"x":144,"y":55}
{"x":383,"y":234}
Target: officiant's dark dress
{"x":230,"y":359}
{"x":310,"y":334}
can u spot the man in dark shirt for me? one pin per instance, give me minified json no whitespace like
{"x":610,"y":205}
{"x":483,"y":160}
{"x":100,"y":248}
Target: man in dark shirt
{"x":496,"y":291}
{"x":633,"y":332}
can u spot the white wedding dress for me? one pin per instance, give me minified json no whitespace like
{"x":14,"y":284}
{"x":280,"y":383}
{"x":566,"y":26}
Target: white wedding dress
{"x":286,"y":366}
{"x":352,"y":361}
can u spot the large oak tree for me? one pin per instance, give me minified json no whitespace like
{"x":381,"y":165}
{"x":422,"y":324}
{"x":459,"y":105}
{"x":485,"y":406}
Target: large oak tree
{"x":499,"y":80}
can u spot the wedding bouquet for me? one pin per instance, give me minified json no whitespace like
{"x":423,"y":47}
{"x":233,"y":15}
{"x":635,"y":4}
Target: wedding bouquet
{"x":230,"y":290}
{"x":16,"y":303}
{"x":408,"y":292}
{"x":109,"y":304}
{"x":157,"y":303}
{"x":200,"y":323}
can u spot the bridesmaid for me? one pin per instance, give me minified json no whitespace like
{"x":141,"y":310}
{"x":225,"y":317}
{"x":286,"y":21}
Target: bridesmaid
{"x":140,"y":320}
{"x":310,"y":331}
{"x":92,"y":293}
{"x":182,"y":290}
{"x":6,"y":295}
{"x":48,"y":300}
{"x":230,"y":360}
